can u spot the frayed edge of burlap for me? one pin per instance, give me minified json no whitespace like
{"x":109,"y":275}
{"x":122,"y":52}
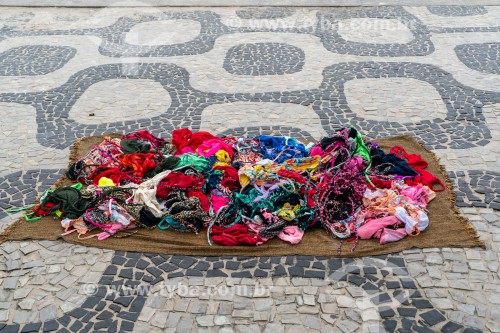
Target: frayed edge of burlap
{"x":452,"y":199}
{"x":4,"y":236}
{"x":73,"y":157}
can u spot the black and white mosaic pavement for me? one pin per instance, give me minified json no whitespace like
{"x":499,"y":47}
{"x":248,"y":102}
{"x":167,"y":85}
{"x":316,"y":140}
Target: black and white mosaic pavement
{"x":114,"y":44}
{"x":57,"y":130}
{"x":397,"y":285}
{"x":328,"y":31}
{"x":34,"y":59}
{"x":113,"y":37}
{"x":464,"y":123}
{"x":464,"y":126}
{"x":264,"y":59}
{"x":457,"y":10}
{"x":264,"y":13}
{"x":22,"y":188}
{"x":465,"y":29}
{"x":383,"y":280}
{"x":327,"y":28}
{"x":477,"y":188}
{"x":484,"y":58}
{"x":253,"y":131}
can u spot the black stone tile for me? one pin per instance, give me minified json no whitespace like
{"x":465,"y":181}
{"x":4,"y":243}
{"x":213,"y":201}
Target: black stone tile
{"x":137,"y":304}
{"x":372,"y":278}
{"x":123,"y":300}
{"x":279,"y":270}
{"x":216,"y":273}
{"x":102,"y":324}
{"x":187,"y":262}
{"x":110,"y":270}
{"x":104,"y":315}
{"x":296,"y":271}
{"x":63,"y":330}
{"x":50,"y":326}
{"x":289,"y":260}
{"x":422,"y":329}
{"x":303,"y":263}
{"x":266,"y":265}
{"x":113,"y":327}
{"x":154,"y":271}
{"x":242,"y":274}
{"x":126,"y":326}
{"x":142,"y":264}
{"x":421,"y":303}
{"x":392,"y":284}
{"x":472,"y":330}
{"x":202,"y":266}
{"x":76,"y":326}
{"x":232,"y":265}
{"x":398,"y":261}
{"x":34,"y":327}
{"x":382,"y":298}
{"x":433,"y":317}
{"x":408,"y":284}
{"x":148,"y":279}
{"x":131,"y":263}
{"x":356,"y":279}
{"x":193,"y":272}
{"x":314,"y":274}
{"x":114,"y":307}
{"x":390,"y":325}
{"x":89,"y":303}
{"x":249,"y":264}
{"x":117,"y":260}
{"x":370,"y":287}
{"x":407,"y":323}
{"x":370,"y":270}
{"x":87,"y":327}
{"x":167,"y":267}
{"x":13,"y":328}
{"x":276,"y":259}
{"x":318,"y":265}
{"x":451,"y":327}
{"x":64,"y":320}
{"x":126,"y":273}
{"x":260,"y":273}
{"x":407,"y":312}
{"x":133,"y":255}
{"x":130,"y":316}
{"x":106,"y":280}
{"x":386,"y":312}
{"x":175,"y":275}
{"x":218,"y":265}
{"x":88,"y":317}
{"x":158,"y":260}
{"x":100,"y":306}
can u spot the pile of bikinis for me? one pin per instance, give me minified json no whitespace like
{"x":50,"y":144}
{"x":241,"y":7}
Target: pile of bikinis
{"x":244,"y":191}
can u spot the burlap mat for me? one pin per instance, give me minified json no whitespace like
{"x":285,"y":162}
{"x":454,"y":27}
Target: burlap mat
{"x":446,"y":229}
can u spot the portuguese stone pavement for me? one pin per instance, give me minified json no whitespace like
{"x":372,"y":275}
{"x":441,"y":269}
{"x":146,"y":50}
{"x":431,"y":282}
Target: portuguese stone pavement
{"x":433,"y":72}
